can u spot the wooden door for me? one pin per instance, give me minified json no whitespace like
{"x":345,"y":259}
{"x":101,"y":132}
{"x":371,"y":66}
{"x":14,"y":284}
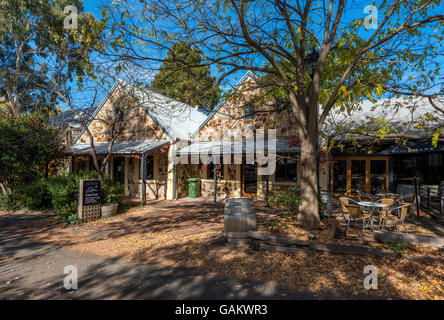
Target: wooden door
{"x":249,"y":180}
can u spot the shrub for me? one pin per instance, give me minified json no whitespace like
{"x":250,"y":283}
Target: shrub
{"x":65,"y":189}
{"x":31,"y":196}
{"x":72,"y":219}
{"x":288,"y":199}
{"x":29,"y":148}
{"x":111,"y":192}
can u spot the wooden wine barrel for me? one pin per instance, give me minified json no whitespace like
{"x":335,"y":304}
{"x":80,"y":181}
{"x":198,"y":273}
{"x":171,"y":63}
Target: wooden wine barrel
{"x":239,"y":218}
{"x":108,"y":211}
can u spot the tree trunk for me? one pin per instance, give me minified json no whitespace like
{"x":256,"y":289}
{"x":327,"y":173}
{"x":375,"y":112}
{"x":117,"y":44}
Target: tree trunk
{"x":308,"y":209}
{"x":5,"y":189}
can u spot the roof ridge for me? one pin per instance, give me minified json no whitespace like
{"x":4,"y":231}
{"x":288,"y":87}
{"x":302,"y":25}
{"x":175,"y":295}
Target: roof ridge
{"x":249,"y":73}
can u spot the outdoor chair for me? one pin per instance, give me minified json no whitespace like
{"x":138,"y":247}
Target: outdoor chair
{"x":351,"y":212}
{"x":409,"y":199}
{"x":384,"y":211}
{"x":362,"y":196}
{"x":397,"y":216}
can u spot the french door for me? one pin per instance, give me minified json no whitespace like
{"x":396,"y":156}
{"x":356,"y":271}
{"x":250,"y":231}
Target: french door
{"x":366,"y":174}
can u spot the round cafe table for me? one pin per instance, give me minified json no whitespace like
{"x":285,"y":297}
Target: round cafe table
{"x":374,"y":208}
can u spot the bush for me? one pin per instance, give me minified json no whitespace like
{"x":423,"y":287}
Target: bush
{"x":31,"y":196}
{"x":65,"y":190}
{"x":111,"y":192}
{"x":288,"y":199}
{"x":72,"y":219}
{"x":29,"y":149}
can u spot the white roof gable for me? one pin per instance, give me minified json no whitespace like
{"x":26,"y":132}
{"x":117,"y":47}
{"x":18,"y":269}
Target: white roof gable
{"x":175,"y":118}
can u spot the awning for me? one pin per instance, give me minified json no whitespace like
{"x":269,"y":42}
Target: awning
{"x":233,"y":147}
{"x":119,"y":147}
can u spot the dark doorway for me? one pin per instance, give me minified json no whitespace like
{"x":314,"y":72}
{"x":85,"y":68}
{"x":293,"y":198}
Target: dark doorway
{"x":119,"y":169}
{"x":249,"y":180}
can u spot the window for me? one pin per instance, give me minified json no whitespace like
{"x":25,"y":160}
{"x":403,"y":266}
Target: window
{"x":149,"y":168}
{"x":249,"y":113}
{"x":339,"y":176}
{"x":210,"y":171}
{"x":427,"y":167}
{"x":286,"y":168}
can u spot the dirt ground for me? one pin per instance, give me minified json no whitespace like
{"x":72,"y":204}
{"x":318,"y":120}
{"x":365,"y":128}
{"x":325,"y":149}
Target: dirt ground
{"x":184,"y":233}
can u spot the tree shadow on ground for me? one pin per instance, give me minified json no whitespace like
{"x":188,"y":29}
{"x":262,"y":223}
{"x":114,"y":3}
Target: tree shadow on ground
{"x":113,"y":278}
{"x":195,"y":270}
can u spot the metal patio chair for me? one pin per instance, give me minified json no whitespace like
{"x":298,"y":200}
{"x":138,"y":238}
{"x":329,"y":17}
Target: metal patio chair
{"x":351,"y":212}
{"x":397,"y":216}
{"x":382,"y":214}
{"x":409,"y":199}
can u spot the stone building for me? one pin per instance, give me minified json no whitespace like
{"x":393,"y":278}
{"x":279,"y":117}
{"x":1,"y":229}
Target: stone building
{"x":157,"y":129}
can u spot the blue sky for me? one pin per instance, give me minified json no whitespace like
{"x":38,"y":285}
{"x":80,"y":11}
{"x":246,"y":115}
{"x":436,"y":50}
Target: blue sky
{"x":91,"y":5}
{"x":356,"y":10}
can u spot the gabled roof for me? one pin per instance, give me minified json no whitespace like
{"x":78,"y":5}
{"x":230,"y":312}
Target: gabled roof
{"x":69,"y":118}
{"x":248,"y":74}
{"x":396,"y":111}
{"x":97,"y":110}
{"x":176,"y":119}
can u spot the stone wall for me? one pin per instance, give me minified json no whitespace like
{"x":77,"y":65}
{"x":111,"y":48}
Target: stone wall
{"x":229,"y":186}
{"x":155,"y":188}
{"x":230,"y":116}
{"x":137,"y":126}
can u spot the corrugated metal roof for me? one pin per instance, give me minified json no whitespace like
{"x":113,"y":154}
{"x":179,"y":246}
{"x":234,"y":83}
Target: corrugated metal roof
{"x":69,"y":118}
{"x":208,"y":147}
{"x":400,"y":113}
{"x":175,"y":118}
{"x":120,"y":147}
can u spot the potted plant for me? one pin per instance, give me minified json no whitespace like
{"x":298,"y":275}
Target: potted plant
{"x":112,"y":191}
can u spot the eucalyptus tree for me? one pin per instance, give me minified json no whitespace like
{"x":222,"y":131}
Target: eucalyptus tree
{"x":363,"y":49}
{"x":30,"y":33}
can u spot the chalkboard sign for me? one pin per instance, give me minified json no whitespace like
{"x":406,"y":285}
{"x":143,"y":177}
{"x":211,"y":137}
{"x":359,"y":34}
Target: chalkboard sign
{"x":91,"y":192}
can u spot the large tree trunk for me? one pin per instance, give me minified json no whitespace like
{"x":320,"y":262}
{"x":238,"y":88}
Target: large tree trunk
{"x":308,"y":209}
